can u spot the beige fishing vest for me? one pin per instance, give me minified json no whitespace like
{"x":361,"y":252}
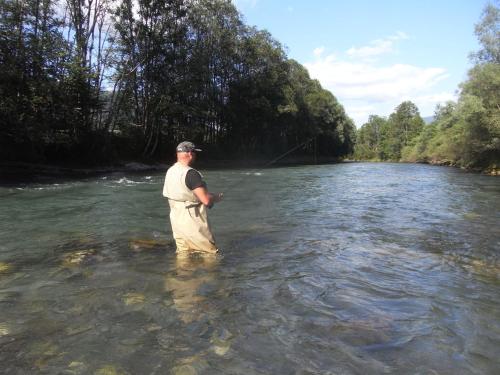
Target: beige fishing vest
{"x":175,"y":184}
{"x":188,"y":216}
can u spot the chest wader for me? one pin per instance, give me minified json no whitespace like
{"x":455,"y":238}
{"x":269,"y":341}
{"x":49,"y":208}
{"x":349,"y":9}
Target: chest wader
{"x":188,"y":216}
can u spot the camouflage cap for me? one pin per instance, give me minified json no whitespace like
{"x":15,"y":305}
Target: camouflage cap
{"x":186,"y":147}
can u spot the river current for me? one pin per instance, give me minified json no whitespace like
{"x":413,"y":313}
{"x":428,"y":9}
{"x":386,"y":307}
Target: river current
{"x":352,"y":268}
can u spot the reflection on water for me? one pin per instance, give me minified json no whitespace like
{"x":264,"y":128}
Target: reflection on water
{"x":193,"y":293}
{"x":192,"y":275}
{"x":349,"y":268}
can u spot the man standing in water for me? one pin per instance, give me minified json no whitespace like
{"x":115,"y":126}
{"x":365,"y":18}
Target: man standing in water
{"x":189,"y":198}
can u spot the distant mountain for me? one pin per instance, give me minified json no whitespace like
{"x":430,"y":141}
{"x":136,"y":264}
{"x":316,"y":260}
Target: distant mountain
{"x":428,"y":119}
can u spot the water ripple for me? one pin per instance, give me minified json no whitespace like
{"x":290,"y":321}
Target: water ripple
{"x":349,"y":268}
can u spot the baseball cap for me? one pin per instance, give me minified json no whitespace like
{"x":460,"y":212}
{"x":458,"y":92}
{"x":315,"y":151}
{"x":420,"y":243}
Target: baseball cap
{"x":186,"y":147}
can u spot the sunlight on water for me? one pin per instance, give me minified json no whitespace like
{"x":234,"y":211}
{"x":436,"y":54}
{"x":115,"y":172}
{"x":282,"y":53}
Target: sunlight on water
{"x":348,"y":268}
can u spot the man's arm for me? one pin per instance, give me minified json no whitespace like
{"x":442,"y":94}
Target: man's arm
{"x":195,"y":183}
{"x":208,"y":199}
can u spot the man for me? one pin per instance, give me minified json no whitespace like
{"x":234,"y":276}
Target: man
{"x":189,"y":198}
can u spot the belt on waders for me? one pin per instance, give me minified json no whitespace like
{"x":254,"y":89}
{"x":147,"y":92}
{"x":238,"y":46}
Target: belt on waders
{"x":198,"y":204}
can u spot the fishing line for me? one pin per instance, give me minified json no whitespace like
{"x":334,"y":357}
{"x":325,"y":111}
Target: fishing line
{"x":231,"y":186}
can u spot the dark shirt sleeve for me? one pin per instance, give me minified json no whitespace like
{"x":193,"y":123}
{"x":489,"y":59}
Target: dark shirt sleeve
{"x":194,"y":180}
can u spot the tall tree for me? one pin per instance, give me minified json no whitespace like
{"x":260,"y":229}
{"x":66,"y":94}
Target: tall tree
{"x":369,"y":138}
{"x":488,"y":34}
{"x":403,"y":126}
{"x":153,"y":50}
{"x":481,"y":96}
{"x":31,"y":46}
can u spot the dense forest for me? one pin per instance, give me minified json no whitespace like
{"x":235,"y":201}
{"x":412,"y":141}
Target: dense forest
{"x":93,"y":81}
{"x":465,"y":133}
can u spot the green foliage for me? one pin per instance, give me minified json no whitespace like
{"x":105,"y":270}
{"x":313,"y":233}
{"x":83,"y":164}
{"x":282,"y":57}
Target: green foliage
{"x":488,"y":34}
{"x":49,"y":92}
{"x":369,"y":139}
{"x":403,"y":126}
{"x":381,"y":139}
{"x":30,"y":63}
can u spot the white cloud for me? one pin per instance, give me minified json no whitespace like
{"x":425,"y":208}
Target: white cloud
{"x":360,"y":110}
{"x":377,"y":47}
{"x":368,"y":87}
{"x":318,"y":51}
{"x":365,"y":81}
{"x":427,"y":103}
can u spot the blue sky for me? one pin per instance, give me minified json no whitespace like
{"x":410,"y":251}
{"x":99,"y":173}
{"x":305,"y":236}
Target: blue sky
{"x":372,"y":55}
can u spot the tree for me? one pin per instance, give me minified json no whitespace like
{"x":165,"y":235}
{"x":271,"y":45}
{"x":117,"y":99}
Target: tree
{"x":480,"y":98}
{"x":152,"y":47}
{"x":369,"y":139}
{"x":407,"y":121}
{"x":78,"y":87}
{"x":488,"y":33}
{"x":403,"y":126}
{"x":480,"y":94}
{"x":31,"y":46}
{"x":257,"y":93}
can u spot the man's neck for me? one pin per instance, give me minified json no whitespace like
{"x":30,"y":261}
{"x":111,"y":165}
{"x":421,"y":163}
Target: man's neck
{"x":184,"y":163}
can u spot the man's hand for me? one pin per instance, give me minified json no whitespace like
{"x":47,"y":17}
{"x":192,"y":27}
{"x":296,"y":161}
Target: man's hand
{"x":208,"y":199}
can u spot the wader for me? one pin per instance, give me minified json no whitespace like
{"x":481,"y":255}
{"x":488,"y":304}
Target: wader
{"x":188,"y":216}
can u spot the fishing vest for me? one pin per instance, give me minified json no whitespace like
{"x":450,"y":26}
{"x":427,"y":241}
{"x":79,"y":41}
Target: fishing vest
{"x":175,"y":184}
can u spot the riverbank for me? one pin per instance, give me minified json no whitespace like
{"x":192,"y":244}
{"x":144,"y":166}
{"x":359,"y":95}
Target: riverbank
{"x":21,"y":172}
{"x":490,"y":171}
{"x":12,"y":173}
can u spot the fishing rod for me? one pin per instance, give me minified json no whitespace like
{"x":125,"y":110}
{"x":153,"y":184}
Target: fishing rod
{"x":269,"y":163}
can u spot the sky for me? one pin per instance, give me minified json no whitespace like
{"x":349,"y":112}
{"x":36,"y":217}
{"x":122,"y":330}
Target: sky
{"x":375,"y":54}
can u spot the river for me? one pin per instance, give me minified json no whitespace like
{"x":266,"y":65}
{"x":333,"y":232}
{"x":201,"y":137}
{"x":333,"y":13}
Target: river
{"x":352,"y":268}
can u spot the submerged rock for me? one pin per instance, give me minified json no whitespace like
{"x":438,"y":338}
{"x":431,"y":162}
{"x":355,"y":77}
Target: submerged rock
{"x":153,"y":327}
{"x":221,"y":347}
{"x":5,"y":267}
{"x":109,"y":370}
{"x":485,"y":268}
{"x":76,"y":258}
{"x":138,"y":244}
{"x":184,"y":370}
{"x":133,"y":298}
{"x":489,"y":268}
{"x":221,"y":342}
{"x":75,"y":364}
{"x":44,"y":352}
{"x":191,"y":366}
{"x":471,"y":216}
{"x":4,"y":330}
{"x":76,"y":368}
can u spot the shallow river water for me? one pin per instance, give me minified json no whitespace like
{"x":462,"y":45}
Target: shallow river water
{"x":335,"y":269}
